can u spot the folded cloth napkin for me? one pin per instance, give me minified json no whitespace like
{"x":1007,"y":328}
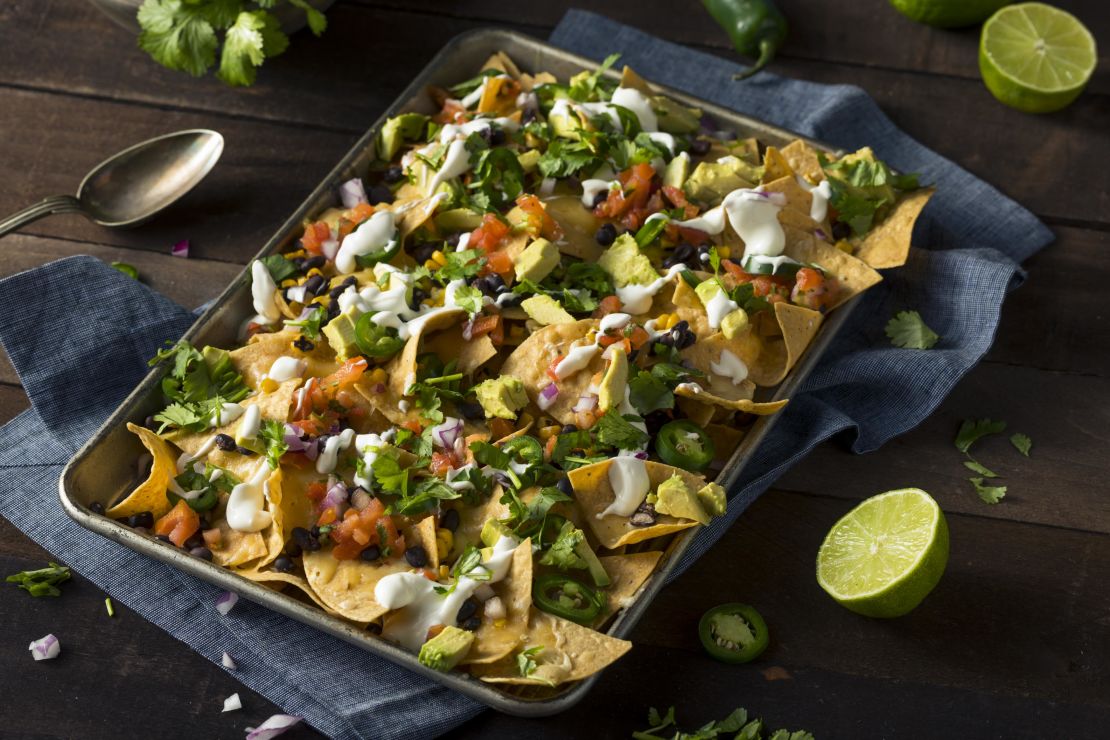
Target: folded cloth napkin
{"x":111,"y":324}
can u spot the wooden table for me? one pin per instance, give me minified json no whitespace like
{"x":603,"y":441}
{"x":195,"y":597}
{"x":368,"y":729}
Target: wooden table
{"x":1013,"y":643}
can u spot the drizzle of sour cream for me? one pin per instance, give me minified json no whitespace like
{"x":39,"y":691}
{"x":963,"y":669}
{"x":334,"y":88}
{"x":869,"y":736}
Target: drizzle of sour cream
{"x":286,"y":368}
{"x":593,"y":186}
{"x":251,"y":423}
{"x":263,"y":292}
{"x":376,"y":233}
{"x":636,"y":299}
{"x":244,"y":511}
{"x":753,"y":214}
{"x":718,"y":307}
{"x":730,"y":366}
{"x":335,"y":444}
{"x":821,"y":193}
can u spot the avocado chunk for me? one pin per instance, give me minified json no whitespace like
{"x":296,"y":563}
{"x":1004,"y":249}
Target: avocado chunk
{"x":706,"y":289}
{"x":675,"y":118}
{"x":545,"y":310}
{"x":674,"y":498}
{"x":611,"y":391}
{"x":536,"y":261}
{"x":712,"y":181}
{"x":626,"y":264}
{"x":565,"y":126}
{"x":884,"y":192}
{"x":678,"y":169}
{"x":396,"y":130}
{"x":501,"y":397}
{"x":593,"y":564}
{"x":734,"y":323}
{"x":493,"y":530}
{"x":529,"y":160}
{"x":444,"y":651}
{"x":214,"y":357}
{"x":458,"y":219}
{"x":712,"y":498}
{"x":340,"y":332}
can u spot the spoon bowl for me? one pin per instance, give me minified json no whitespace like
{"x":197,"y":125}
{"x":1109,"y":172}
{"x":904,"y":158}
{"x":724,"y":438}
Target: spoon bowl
{"x":135,"y":184}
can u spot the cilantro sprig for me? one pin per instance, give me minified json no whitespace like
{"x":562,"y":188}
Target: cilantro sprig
{"x":970,"y":432}
{"x":909,"y":331}
{"x":183,"y":35}
{"x":41,"y":582}
{"x":196,"y":385}
{"x":736,"y":725}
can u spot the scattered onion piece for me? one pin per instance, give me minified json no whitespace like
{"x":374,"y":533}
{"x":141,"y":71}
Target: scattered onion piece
{"x":45,"y":648}
{"x":272,"y":727}
{"x":226,"y":602}
{"x":232,"y":702}
{"x":229,"y":663}
{"x":586,"y":402}
{"x":352,"y":193}
{"x":547,"y":396}
{"x":181,"y":249}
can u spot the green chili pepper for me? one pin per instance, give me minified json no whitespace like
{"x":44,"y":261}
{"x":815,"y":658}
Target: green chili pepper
{"x":733,"y":633}
{"x":684,"y":444}
{"x":375,"y":340}
{"x":126,"y":269}
{"x":757,"y":28}
{"x":567,"y":598}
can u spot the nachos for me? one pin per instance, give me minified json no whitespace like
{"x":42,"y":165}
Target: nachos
{"x":477,"y":399}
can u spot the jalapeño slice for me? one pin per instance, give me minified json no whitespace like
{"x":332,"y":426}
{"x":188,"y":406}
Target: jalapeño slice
{"x":733,"y":633}
{"x":385,"y":254}
{"x":777,"y":266}
{"x":565,"y":597}
{"x":684,"y":444}
{"x":375,"y":340}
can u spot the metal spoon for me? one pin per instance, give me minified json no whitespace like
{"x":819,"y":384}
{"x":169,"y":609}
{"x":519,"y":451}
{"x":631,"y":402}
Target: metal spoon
{"x":135,"y":184}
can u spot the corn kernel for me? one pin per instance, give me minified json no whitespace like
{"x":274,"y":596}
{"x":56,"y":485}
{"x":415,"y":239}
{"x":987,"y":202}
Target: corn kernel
{"x":431,"y":264}
{"x":438,"y":257}
{"x":322,"y":300}
{"x":315,"y":271}
{"x":499,"y":623}
{"x":724,"y":252}
{"x":844,"y":246}
{"x":295,"y":254}
{"x":378,"y":375}
{"x":288,"y":283}
{"x":548,"y":432}
{"x":444,"y":571}
{"x":268,"y":385}
{"x":672,"y":320}
{"x":442,"y":549}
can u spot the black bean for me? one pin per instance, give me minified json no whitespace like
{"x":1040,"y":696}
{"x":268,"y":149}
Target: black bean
{"x":283,"y":564}
{"x":840,"y":230}
{"x":197,"y":540}
{"x":565,"y":486}
{"x":472,"y":624}
{"x":667,"y":340}
{"x":453,"y":240}
{"x":700,"y":147}
{"x":96,"y":507}
{"x":416,"y":556}
{"x":497,"y":137}
{"x":644,"y":516}
{"x":683,"y":252}
{"x":163,"y":538}
{"x":304,"y":344}
{"x":150,"y":423}
{"x":703,"y":254}
{"x":201,"y":552}
{"x":422,"y":251}
{"x":606,"y":235}
{"x":468,"y":609}
{"x":528,"y":116}
{"x":471,"y":410}
{"x":601,"y":197}
{"x":306,"y":540}
{"x":142,"y":519}
{"x":371,"y":553}
{"x":487,"y":135}
{"x":655,"y":421}
{"x":316,"y":263}
{"x":225,"y":442}
{"x":379,"y":194}
{"x":393,"y":174}
{"x":511,"y":301}
{"x":449,"y":519}
{"x":569,"y":429}
{"x":315,"y":285}
{"x":682,"y":325}
{"x":245,"y":451}
{"x":333,"y":311}
{"x":292,"y":549}
{"x":418,"y":297}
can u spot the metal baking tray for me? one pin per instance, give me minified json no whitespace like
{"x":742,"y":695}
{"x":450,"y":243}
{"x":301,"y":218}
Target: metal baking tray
{"x":102,"y":470}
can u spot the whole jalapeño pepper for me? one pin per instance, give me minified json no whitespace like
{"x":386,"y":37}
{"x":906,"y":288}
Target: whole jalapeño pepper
{"x":757,"y":28}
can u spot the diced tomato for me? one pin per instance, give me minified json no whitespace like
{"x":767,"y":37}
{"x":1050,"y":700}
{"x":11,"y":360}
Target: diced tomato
{"x":315,"y":234}
{"x":499,"y":262}
{"x":487,"y":236}
{"x":736,"y":271}
{"x":360,"y":529}
{"x":605,"y":340}
{"x":327,"y":517}
{"x":609,"y":304}
{"x":549,"y":447}
{"x":179,"y":523}
{"x":639,"y":337}
{"x":678,"y":233}
{"x":413,"y":426}
{"x":347,"y":375}
{"x":500,"y":428}
{"x":551,"y":368}
{"x":316,"y":491}
{"x":677,"y":198}
{"x":444,"y":461}
{"x":360,"y":212}
{"x":538,"y":221}
{"x":452,"y":112}
{"x":813,"y":290}
{"x":488,"y":324}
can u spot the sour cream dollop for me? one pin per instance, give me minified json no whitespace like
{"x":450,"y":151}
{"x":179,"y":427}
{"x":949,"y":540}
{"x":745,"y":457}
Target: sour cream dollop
{"x":263,"y":292}
{"x":376,"y":233}
{"x":629,"y":480}
{"x":245,"y":505}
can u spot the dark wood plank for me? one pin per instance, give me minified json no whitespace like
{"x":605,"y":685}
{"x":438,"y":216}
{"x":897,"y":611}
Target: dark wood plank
{"x":12,"y":402}
{"x":868,"y":33}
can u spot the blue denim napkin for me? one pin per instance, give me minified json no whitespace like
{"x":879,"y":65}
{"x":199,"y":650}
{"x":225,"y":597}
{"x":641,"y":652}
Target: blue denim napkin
{"x":111,"y":324}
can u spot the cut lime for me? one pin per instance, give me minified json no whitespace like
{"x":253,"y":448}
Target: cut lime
{"x":884,"y":556}
{"x":948,"y":13}
{"x":1036,"y":58}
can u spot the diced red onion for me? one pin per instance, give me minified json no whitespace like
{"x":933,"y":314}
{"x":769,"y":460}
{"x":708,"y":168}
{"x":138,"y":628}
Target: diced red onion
{"x":226,"y":602}
{"x":820,"y":234}
{"x":297,"y":294}
{"x":360,"y":498}
{"x":335,"y":498}
{"x":547,"y":396}
{"x":494,"y":608}
{"x":468,"y":330}
{"x":232,"y":703}
{"x":352,"y":193}
{"x":378,"y":388}
{"x":586,"y":402}
{"x":272,"y":727}
{"x":45,"y":648}
{"x":445,"y":434}
{"x":547,"y":187}
{"x":330,"y":248}
{"x":640,"y":455}
{"x":228,"y":662}
{"x":293,"y":439}
{"x":181,"y":249}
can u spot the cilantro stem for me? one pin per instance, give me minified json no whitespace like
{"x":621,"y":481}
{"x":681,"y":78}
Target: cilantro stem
{"x":109,"y":607}
{"x":444,"y":379}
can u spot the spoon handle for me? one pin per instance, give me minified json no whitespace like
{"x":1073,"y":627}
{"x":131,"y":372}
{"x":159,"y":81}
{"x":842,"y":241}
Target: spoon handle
{"x":47,"y":207}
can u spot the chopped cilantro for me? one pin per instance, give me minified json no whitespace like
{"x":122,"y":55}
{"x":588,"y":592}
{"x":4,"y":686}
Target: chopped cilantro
{"x":561,"y":553}
{"x":976,"y":467}
{"x":197,"y":385}
{"x":272,"y":434}
{"x":279,"y":267}
{"x":989,"y":494}
{"x":618,"y":431}
{"x":909,"y":331}
{"x":389,"y":474}
{"x":525,"y":662}
{"x":469,"y":299}
{"x":861,"y":188}
{"x":647,"y":393}
{"x":310,"y":325}
{"x":1021,"y":443}
{"x":971,"y":430}
{"x":736,"y":726}
{"x":41,"y":582}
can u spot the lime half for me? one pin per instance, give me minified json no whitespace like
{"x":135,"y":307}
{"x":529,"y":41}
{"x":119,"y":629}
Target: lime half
{"x":884,"y":556}
{"x":948,"y":13}
{"x":1036,"y":58}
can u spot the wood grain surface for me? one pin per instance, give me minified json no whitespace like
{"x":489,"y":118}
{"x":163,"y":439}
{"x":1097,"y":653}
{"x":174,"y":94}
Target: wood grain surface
{"x":1014,"y":642}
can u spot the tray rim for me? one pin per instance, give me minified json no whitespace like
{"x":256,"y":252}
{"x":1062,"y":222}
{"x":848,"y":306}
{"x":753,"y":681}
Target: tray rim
{"x":312,"y":615}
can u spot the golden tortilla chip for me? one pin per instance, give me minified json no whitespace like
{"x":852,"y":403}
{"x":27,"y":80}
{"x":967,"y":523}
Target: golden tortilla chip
{"x":798,"y":326}
{"x":627,"y":574}
{"x":802,"y":159}
{"x":570,"y":652}
{"x":726,"y":438}
{"x":495,"y":640}
{"x":150,"y":495}
{"x":529,"y":363}
{"x":630,"y":79}
{"x":594,"y":493}
{"x":888,"y":243}
{"x":747,"y":406}
{"x":471,"y":354}
{"x":775,"y":166}
{"x":579,"y":225}
{"x":412,"y":214}
{"x":473,"y":518}
{"x":853,"y":275}
{"x":696,"y":411}
{"x":288,"y":579}
{"x":502,"y":63}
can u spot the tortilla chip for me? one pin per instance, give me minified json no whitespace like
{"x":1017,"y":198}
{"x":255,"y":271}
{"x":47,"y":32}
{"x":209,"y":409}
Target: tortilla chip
{"x":726,"y":438}
{"x":775,"y":166}
{"x":473,"y":518}
{"x":627,"y":574}
{"x":502,"y":63}
{"x":696,"y":411}
{"x":529,"y":363}
{"x":593,"y":493}
{"x":292,"y":579}
{"x":410,"y":215}
{"x":707,"y":350}
{"x":579,"y":227}
{"x":802,"y":158}
{"x":471,"y":354}
{"x":150,"y":495}
{"x":853,"y":275}
{"x":747,"y":406}
{"x":254,"y":359}
{"x":798,"y":325}
{"x":571,"y":652}
{"x":495,"y":640}
{"x":888,"y":243}
{"x":629,"y":78}
{"x":237,"y":548}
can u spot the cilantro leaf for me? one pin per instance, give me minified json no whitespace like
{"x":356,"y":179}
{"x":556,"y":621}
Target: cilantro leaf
{"x":909,"y":331}
{"x":586,"y":86}
{"x":460,"y":266}
{"x":310,"y":325}
{"x":861,"y":187}
{"x":389,"y":474}
{"x":1021,"y":443}
{"x":564,"y":158}
{"x":254,"y":36}
{"x":647,"y":393}
{"x":618,"y":431}
{"x":976,"y":467}
{"x":272,"y":434}
{"x":561,"y":554}
{"x":177,"y":35}
{"x":279,"y":267}
{"x":469,"y":299}
{"x":972,"y":430}
{"x":317,"y":21}
{"x":425,"y":493}
{"x":524,"y":660}
{"x":989,"y":494}
{"x":488,"y":454}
